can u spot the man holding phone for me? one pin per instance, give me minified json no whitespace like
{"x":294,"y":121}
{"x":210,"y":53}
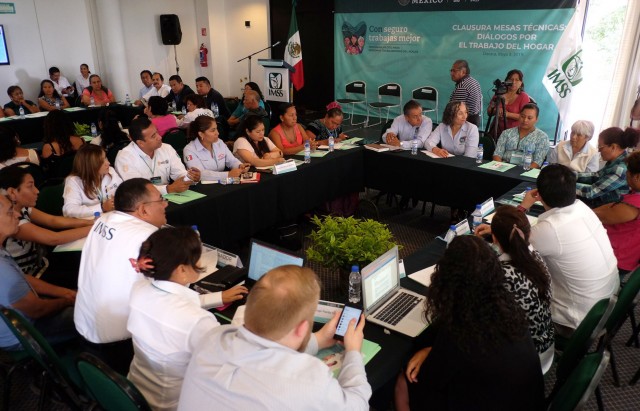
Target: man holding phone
{"x":267,"y":360}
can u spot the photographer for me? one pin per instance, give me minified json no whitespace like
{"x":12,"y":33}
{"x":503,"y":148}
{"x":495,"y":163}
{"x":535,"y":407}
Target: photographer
{"x":512,"y":92}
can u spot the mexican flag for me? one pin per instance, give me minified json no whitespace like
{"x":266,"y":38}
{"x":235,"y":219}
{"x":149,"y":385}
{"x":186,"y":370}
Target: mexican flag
{"x":293,"y":50}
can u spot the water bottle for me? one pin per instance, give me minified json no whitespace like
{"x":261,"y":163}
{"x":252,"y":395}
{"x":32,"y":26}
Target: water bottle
{"x":216,"y":111}
{"x":173,"y":105}
{"x":477,"y":217}
{"x":195,"y":228}
{"x":307,"y":152}
{"x":96,"y":215}
{"x":480,"y":154}
{"x":414,"y":146}
{"x":21,"y":112}
{"x":544,"y":164}
{"x":451,"y":234}
{"x":355,"y":285}
{"x":94,"y":130}
{"x":184,"y":110}
{"x":331,"y":142}
{"x":57,"y":104}
{"x":526,"y":163}
{"x":92,"y":101}
{"x":127,"y":100}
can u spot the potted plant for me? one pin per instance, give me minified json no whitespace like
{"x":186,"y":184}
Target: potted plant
{"x":340,"y":242}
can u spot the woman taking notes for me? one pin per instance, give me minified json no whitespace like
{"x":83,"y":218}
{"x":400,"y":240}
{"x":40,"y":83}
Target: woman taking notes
{"x":208,"y":153}
{"x":455,"y":134}
{"x":92,"y":184}
{"x":166,"y":320}
{"x":330,"y":125}
{"x":253,"y":147}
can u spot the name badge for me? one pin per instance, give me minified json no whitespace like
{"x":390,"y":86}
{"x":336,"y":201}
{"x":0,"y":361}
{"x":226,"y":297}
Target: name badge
{"x":285,"y":167}
{"x":156,"y":181}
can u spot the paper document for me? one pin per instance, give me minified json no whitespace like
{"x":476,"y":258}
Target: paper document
{"x":313,"y":153}
{"x":70,"y":246}
{"x":497,"y":166}
{"x":184,"y":197}
{"x":38,"y":114}
{"x":423,"y":276}
{"x":352,"y":140}
{"x":430,"y":154}
{"x":72,"y":109}
{"x":333,"y":356}
{"x":208,"y":261}
{"x":533,"y":173}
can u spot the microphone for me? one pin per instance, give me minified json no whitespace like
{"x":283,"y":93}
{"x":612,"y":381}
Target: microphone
{"x":275,"y":44}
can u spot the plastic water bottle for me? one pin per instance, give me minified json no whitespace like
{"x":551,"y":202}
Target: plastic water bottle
{"x":477,"y":216}
{"x":184,"y":110}
{"x":57,"y":104}
{"x":414,"y":146}
{"x":92,"y":101}
{"x":451,"y":234}
{"x":96,"y":215}
{"x":173,"y":105}
{"x":355,"y":285}
{"x":544,"y":164}
{"x":21,"y":112}
{"x":480,"y":154}
{"x":331,"y":142}
{"x":195,"y":228}
{"x":94,"y":130}
{"x":307,"y":152}
{"x":127,"y":100}
{"x":215,"y":109}
{"x":526,"y":163}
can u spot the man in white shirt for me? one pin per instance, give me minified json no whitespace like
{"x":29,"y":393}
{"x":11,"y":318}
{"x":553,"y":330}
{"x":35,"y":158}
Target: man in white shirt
{"x":145,"y":77}
{"x":407,"y":126}
{"x":158,"y":88}
{"x":575,"y":247}
{"x":107,"y":273}
{"x":60,"y":83}
{"x":147,"y":157}
{"x":265,"y":364}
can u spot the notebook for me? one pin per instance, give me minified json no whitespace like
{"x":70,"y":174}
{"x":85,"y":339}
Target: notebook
{"x":385,"y":302}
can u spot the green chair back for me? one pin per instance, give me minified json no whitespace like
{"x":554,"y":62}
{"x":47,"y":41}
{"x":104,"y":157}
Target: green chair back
{"x":583,"y":337}
{"x":581,"y":384}
{"x":111,"y":390}
{"x":50,"y":199}
{"x":626,"y":298}
{"x":39,"y":349}
{"x":176,"y":138}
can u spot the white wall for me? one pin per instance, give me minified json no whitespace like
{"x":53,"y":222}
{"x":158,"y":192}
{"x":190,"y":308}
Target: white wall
{"x":42,"y":34}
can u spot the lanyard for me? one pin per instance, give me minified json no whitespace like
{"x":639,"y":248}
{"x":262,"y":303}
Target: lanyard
{"x":153,"y":171}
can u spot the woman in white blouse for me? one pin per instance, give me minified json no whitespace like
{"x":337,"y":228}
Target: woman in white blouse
{"x":166,"y":320}
{"x":11,"y":152}
{"x":253,"y":147}
{"x":92,"y":184}
{"x":82,"y":81}
{"x":576,"y":153}
{"x":195,"y":106}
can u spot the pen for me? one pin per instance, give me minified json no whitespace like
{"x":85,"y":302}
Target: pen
{"x":213,"y":284}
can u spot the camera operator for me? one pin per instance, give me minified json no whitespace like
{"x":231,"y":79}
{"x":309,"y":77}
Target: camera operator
{"x":512,"y":92}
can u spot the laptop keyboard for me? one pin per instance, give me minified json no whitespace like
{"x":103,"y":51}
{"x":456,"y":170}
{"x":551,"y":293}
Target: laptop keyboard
{"x":397,"y":308}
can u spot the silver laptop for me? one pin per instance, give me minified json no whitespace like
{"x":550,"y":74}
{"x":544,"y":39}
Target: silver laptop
{"x":385,"y":302}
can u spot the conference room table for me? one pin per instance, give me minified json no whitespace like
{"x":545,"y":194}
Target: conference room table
{"x":31,"y":129}
{"x":454,"y":181}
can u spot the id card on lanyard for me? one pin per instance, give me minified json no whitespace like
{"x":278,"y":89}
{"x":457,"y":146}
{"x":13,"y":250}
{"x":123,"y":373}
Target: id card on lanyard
{"x":155,"y":180}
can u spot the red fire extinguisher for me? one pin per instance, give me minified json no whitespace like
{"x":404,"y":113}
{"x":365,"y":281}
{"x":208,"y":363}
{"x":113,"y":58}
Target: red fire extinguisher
{"x":203,"y":56}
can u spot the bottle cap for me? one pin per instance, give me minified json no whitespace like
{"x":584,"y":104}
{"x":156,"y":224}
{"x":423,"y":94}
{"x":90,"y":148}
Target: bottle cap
{"x":355,"y":268}
{"x":478,"y":206}
{"x":452,"y":227}
{"x":194,"y":227}
{"x":96,"y":214}
{"x":480,"y":146}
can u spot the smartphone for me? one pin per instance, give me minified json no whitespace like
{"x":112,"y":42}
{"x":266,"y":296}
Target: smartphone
{"x":348,"y":312}
{"x":247,"y":175}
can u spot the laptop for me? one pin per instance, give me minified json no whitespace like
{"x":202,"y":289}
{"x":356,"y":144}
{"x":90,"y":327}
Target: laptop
{"x":263,"y":257}
{"x":386,"y":303}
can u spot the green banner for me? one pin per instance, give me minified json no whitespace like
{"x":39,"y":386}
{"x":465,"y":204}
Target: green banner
{"x":417,"y":49}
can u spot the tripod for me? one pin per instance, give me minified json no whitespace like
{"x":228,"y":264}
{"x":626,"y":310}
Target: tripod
{"x":499,"y":104}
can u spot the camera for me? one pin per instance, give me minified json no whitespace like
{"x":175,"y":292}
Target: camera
{"x":501,"y":87}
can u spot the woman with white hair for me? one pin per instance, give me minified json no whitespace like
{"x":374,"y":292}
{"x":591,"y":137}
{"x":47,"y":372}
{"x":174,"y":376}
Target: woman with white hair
{"x":576,"y":153}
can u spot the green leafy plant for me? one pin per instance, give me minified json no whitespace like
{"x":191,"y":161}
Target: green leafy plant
{"x":82,"y":129}
{"x":339,"y":242}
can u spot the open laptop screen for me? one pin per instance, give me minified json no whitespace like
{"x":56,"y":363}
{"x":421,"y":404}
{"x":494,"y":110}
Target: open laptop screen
{"x":264,"y":258}
{"x":380,"y":278}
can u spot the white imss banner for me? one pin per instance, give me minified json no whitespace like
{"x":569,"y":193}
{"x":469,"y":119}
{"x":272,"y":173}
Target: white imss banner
{"x":276,"y":84}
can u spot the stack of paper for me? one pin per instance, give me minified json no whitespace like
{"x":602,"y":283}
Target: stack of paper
{"x":333,"y":356}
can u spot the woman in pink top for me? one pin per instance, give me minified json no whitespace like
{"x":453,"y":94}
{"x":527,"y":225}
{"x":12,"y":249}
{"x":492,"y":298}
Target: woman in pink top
{"x":288,"y":136}
{"x":101,"y":95}
{"x":515,"y":98}
{"x":157,"y":111}
{"x":622,"y":219}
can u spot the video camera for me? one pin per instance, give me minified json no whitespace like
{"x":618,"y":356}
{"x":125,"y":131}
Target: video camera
{"x":501,"y":87}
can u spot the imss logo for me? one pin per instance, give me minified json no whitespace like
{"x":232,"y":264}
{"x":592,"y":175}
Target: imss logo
{"x":275,"y":85}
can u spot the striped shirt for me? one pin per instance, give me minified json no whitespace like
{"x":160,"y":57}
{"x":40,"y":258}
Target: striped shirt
{"x":468,"y":90}
{"x":28,"y":255}
{"x":604,"y":186}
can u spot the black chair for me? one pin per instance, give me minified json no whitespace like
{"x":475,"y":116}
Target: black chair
{"x":356,"y":93}
{"x":176,"y":138}
{"x":50,"y":199}
{"x":16,"y":359}
{"x":429,"y":95}
{"x":389,"y":91}
{"x":111,"y":390}
{"x":58,"y":166}
{"x":488,"y":147}
{"x":56,"y":369}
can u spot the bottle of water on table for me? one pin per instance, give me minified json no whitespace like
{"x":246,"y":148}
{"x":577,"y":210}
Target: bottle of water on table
{"x":94,"y":130}
{"x":92,"y":101}
{"x":58,"y":104}
{"x":331,"y":142}
{"x":307,"y":152}
{"x":215,"y":109}
{"x":21,"y":112}
{"x":480,"y":154}
{"x":414,"y":146}
{"x":526,"y":162}
{"x":355,"y":285}
{"x":127,"y":100}
{"x":451,"y":234}
{"x":477,"y":217}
